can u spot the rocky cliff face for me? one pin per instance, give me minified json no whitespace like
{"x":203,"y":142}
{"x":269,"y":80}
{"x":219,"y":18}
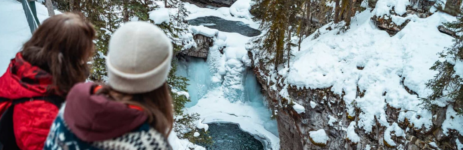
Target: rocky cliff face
{"x":203,"y":43}
{"x":325,"y":110}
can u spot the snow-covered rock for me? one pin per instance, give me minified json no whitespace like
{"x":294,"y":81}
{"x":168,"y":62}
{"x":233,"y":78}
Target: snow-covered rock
{"x":351,"y":134}
{"x":241,"y":9}
{"x":182,"y":144}
{"x":319,"y":137}
{"x":160,"y":15}
{"x":298,"y":108}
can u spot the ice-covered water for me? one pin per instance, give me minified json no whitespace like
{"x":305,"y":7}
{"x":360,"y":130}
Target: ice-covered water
{"x":225,"y":25}
{"x":230,"y":136}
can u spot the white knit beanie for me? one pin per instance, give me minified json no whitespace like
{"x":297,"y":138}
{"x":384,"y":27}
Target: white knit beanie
{"x":139,"y":58}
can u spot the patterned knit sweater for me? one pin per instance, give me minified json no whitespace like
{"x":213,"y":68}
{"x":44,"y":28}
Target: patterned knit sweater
{"x":142,"y":138}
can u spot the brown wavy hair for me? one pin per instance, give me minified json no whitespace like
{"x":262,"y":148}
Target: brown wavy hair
{"x":157,"y":104}
{"x":62,"y":45}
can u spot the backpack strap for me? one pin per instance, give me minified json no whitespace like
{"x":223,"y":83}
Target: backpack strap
{"x":7,"y":138}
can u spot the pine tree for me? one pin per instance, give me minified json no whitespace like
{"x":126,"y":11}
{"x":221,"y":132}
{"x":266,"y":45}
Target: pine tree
{"x":280,"y":18}
{"x":446,"y":83}
{"x":344,"y":11}
{"x":336,"y":11}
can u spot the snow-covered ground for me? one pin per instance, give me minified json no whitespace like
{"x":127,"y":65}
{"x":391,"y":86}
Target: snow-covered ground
{"x":14,"y":29}
{"x":221,"y":89}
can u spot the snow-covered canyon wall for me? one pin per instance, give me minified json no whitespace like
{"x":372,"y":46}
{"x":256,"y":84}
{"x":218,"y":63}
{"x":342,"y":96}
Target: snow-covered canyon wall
{"x":362,"y":88}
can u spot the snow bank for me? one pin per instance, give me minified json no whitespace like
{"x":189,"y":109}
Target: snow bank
{"x":398,"y":20}
{"x":433,"y":144}
{"x":397,"y":132}
{"x":298,"y":108}
{"x":319,"y":136}
{"x":184,"y":93}
{"x":459,"y":145}
{"x":383,"y":7}
{"x":160,"y":15}
{"x":458,"y":68}
{"x":313,"y":104}
{"x":351,"y":135}
{"x":203,"y":31}
{"x":225,"y":11}
{"x":452,"y":121}
{"x":182,"y":144}
{"x":241,"y":9}
{"x":333,"y":60}
{"x":332,"y":120}
{"x":201,"y":125}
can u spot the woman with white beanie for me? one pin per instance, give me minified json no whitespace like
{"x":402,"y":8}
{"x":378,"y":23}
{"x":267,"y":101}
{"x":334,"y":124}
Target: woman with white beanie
{"x":134,"y":111}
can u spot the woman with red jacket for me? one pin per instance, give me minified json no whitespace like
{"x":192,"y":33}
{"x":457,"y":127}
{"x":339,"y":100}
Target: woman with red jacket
{"x":39,"y":78}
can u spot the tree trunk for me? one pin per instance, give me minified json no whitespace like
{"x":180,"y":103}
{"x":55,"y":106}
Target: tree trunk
{"x":349,"y":12}
{"x":110,"y":16}
{"x":76,"y":5}
{"x":288,"y":46}
{"x":51,"y":12}
{"x":125,"y":12}
{"x":71,"y":5}
{"x":309,"y":17}
{"x":336,"y":11}
{"x":165,"y":4}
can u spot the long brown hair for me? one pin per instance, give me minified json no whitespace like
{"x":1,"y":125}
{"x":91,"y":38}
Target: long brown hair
{"x":157,"y":104}
{"x":62,"y":46}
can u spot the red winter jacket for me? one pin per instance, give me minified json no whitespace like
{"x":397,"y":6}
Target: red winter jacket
{"x":31,"y":120}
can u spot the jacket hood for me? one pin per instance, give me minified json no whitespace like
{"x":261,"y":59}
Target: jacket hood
{"x":22,"y":79}
{"x":96,"y":117}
